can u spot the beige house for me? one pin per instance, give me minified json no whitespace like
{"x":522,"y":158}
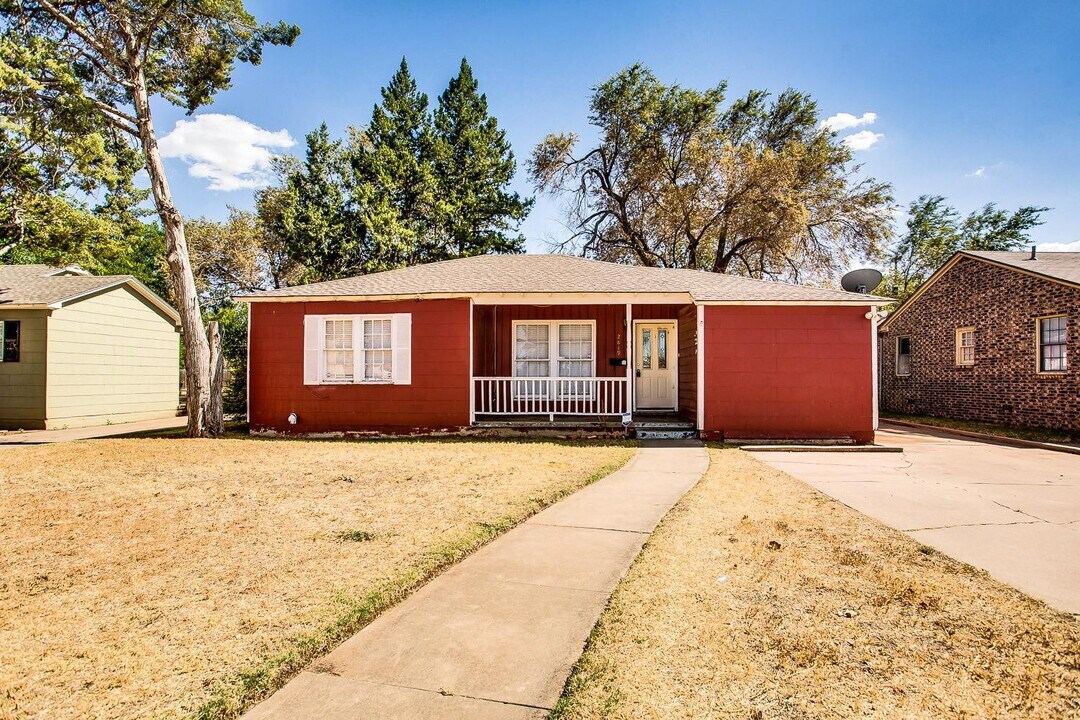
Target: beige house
{"x":81,"y":350}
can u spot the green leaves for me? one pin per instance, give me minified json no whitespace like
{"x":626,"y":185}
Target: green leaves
{"x":411,"y":187}
{"x":935,"y":231}
{"x":473,"y":164}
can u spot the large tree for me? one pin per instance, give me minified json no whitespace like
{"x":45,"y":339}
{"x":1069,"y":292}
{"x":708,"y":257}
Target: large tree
{"x":934,"y":231}
{"x":677,"y":180}
{"x":394,"y":184}
{"x":235,"y":256}
{"x":473,"y":165}
{"x":92,"y":70}
{"x":312,"y":212}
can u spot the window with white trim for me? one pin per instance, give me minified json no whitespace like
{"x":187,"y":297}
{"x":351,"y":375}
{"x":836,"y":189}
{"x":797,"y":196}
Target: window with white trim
{"x":554,"y":349}
{"x":903,"y":356}
{"x":378,"y":350}
{"x":965,"y":346}
{"x":1053,"y":344}
{"x":358,"y":349}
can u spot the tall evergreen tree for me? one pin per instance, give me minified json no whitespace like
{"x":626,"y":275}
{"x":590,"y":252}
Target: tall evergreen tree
{"x":395,"y":185}
{"x":312,"y":215}
{"x":474,"y":164}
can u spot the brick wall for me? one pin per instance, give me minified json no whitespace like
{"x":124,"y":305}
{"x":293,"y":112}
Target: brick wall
{"x":1003,"y":386}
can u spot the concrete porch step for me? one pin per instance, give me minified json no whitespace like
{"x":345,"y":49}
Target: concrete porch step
{"x":690,"y":434}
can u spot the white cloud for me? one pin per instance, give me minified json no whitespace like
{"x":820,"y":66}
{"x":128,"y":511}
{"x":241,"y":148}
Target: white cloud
{"x":231,"y":153}
{"x":862,"y":140}
{"x":977,"y":172}
{"x":1073,"y":246}
{"x":844,"y":121}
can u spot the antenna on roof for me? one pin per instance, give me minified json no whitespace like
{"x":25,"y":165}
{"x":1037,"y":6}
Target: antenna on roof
{"x":864,"y":280}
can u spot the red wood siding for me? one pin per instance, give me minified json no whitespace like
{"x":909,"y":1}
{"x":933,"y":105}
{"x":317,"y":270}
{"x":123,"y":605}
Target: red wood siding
{"x":688,"y":362}
{"x":438,"y":396}
{"x":494,"y":335}
{"x":788,"y":372}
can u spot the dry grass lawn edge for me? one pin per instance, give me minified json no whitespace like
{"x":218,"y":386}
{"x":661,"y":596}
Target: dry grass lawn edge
{"x":232,"y":695}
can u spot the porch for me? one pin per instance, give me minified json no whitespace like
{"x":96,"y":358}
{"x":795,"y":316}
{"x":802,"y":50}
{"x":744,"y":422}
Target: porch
{"x":583,"y":365}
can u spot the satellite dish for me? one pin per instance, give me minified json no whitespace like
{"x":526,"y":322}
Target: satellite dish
{"x":864,"y":280}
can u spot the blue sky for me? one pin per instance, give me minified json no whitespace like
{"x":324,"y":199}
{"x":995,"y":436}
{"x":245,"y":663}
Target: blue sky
{"x":977,"y":101}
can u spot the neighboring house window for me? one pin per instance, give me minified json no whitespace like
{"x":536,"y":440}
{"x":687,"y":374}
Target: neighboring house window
{"x":553,"y":350}
{"x":903,"y":356}
{"x":1053,"y":344}
{"x":9,"y":335}
{"x":965,"y":346}
{"x":345,"y":349}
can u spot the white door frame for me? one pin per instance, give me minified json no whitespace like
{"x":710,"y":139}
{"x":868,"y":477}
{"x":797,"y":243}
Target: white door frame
{"x":674,"y":343}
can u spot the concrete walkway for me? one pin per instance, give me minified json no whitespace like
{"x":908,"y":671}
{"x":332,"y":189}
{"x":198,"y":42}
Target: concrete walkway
{"x":41,"y":437}
{"x":496,"y":635}
{"x":1013,"y":511}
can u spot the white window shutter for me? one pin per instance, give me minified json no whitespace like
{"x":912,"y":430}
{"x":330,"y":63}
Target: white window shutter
{"x":313,"y":339}
{"x":402,"y":329}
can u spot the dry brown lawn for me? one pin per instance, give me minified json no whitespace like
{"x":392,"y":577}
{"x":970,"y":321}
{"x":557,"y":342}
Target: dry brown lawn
{"x":759,"y":597}
{"x":171,"y":577}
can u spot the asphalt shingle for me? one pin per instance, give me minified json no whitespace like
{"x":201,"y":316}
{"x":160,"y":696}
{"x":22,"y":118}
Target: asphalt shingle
{"x":559,"y":274}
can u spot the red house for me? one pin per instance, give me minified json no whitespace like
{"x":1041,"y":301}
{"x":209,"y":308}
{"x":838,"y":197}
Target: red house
{"x":521,"y":340}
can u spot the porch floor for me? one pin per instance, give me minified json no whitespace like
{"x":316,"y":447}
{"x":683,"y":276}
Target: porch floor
{"x":651,"y":419}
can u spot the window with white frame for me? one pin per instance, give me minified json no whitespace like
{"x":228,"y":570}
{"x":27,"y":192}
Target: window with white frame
{"x":345,"y":349}
{"x":1053,"y":344}
{"x":378,"y":350}
{"x":553,"y":349}
{"x":965,"y":346}
{"x":903,"y":356}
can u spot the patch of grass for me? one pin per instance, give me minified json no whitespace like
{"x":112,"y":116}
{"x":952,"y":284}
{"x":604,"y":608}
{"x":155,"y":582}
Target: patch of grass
{"x":174,"y":577}
{"x":1021,"y":433}
{"x":355,"y":536}
{"x":846,"y":619}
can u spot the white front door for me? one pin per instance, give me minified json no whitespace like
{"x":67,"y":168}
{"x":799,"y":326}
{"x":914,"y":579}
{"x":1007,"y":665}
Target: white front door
{"x":655,"y":366}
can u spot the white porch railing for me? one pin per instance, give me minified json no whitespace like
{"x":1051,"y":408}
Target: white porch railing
{"x":550,"y":396}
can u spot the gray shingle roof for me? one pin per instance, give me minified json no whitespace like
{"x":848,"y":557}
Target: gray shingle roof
{"x":1061,"y":265}
{"x":42,"y":286}
{"x":559,"y":274}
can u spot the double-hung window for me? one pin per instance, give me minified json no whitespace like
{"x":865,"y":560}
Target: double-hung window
{"x":965,"y":346}
{"x":554,"y":350}
{"x":1053,"y":344}
{"x":358,"y":349}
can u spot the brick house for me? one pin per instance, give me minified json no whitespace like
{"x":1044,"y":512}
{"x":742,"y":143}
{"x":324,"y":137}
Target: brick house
{"x":991,"y":337}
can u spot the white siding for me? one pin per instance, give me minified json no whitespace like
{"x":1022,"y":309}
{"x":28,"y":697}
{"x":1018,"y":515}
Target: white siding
{"x":111,"y":357}
{"x":22,"y":384}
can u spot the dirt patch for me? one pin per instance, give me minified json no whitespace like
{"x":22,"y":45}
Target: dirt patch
{"x":136,"y":574}
{"x":759,"y":597}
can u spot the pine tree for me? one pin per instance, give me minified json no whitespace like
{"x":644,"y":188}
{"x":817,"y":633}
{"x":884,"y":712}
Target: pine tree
{"x":474,"y":164}
{"x":395,"y":184}
{"x":312,"y":216}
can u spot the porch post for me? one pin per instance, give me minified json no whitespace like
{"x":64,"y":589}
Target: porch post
{"x":629,"y":358}
{"x":472,"y":380}
{"x":874,"y":365}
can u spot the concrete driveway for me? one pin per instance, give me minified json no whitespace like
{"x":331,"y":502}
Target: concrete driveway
{"x":1013,"y":511}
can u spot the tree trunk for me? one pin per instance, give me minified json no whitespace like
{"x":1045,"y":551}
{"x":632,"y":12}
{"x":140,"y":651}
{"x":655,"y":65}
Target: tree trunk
{"x":201,"y":389}
{"x":216,"y":411}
